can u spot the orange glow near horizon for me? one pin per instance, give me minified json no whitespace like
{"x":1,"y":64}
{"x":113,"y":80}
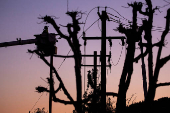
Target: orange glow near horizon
{"x":21,"y":72}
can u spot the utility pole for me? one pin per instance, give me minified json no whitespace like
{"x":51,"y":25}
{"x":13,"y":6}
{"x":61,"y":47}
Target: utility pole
{"x":95,"y":80}
{"x":51,"y":84}
{"x":103,"y":18}
{"x":103,"y":61}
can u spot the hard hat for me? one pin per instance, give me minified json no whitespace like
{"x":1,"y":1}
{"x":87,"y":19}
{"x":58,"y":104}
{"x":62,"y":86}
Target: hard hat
{"x":45,"y":27}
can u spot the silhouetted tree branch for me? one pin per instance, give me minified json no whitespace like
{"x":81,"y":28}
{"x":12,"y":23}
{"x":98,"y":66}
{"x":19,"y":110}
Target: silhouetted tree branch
{"x":160,"y":62}
{"x":163,"y":84}
{"x":55,"y":99}
{"x":164,"y":60}
{"x":58,"y":88}
{"x":140,"y":56}
{"x":41,"y":89}
{"x":50,"y":20}
{"x":57,"y":76}
{"x":72,"y":39}
{"x":146,"y":51}
{"x":133,"y":35}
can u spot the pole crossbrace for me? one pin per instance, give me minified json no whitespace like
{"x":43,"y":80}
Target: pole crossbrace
{"x":97,"y":65}
{"x":98,"y":38}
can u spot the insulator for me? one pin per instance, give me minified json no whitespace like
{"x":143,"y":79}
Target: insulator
{"x":110,"y":53}
{"x":98,"y":8}
{"x":123,"y":43}
{"x":85,"y":42}
{"x":110,"y":42}
{"x":110,"y":67}
{"x":105,"y":8}
{"x":84,"y":34}
{"x":109,"y":57}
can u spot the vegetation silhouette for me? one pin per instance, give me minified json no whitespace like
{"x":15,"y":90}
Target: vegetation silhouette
{"x":91,"y":104}
{"x":133,"y":34}
{"x":39,"y":110}
{"x":72,"y":39}
{"x":92,"y":100}
{"x":158,"y":106}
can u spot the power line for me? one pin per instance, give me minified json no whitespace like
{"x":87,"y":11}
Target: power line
{"x":159,"y":29}
{"x":99,"y":26}
{"x":118,"y":59}
{"x":63,"y":60}
{"x":155,"y":28}
{"x":38,"y":100}
{"x":87,"y":16}
{"x":117,"y":13}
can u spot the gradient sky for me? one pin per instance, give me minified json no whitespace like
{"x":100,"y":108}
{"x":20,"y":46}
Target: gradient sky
{"x":19,"y":75}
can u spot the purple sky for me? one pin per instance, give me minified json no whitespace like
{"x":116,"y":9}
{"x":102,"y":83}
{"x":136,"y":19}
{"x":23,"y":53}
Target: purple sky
{"x":19,"y":75}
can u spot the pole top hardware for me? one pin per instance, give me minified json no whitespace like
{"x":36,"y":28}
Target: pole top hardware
{"x":98,"y":38}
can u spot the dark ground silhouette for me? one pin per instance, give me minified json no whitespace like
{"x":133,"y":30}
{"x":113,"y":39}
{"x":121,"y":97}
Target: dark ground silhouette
{"x":158,"y":106}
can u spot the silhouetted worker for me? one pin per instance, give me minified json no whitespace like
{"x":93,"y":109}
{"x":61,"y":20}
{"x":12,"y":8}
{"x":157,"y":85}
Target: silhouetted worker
{"x":45,"y":30}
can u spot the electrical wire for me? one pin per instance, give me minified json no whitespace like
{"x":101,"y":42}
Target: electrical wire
{"x":118,"y":59}
{"x":99,"y":26}
{"x":63,"y":60}
{"x":38,"y":100}
{"x":117,"y":13}
{"x":158,"y":29}
{"x":117,"y":21}
{"x":87,"y":16}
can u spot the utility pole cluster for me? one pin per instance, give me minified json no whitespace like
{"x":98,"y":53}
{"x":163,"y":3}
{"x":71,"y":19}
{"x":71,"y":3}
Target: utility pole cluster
{"x":103,"y":38}
{"x":45,"y":43}
{"x":45,"y":47}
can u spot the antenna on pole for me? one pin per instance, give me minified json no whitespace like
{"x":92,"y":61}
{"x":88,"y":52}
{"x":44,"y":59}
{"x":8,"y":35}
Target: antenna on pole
{"x":67,"y":5}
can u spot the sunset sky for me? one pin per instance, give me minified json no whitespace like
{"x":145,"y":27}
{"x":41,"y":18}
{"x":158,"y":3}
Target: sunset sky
{"x":20,"y":72}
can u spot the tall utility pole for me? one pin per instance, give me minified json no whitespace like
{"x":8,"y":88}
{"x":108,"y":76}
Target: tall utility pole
{"x":51,"y":84}
{"x":95,"y":80}
{"x":103,"y":18}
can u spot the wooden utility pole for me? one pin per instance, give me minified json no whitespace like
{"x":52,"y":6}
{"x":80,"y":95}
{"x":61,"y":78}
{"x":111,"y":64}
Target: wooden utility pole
{"x":103,"y":62}
{"x":95,"y":80}
{"x":51,"y":84}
